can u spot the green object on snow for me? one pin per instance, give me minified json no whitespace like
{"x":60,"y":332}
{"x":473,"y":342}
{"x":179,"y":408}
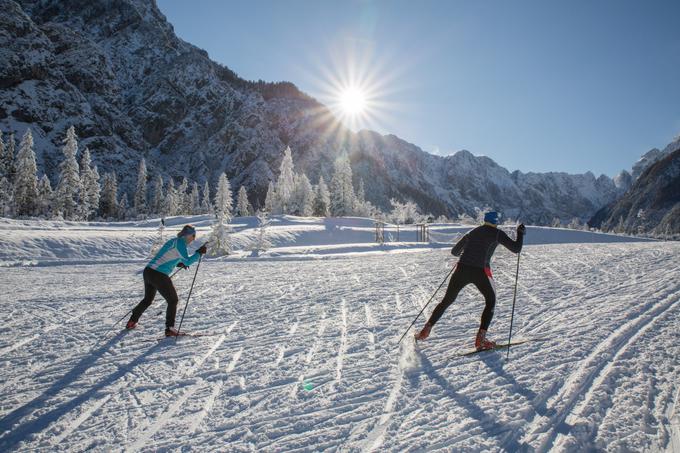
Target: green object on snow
{"x":308,"y":386}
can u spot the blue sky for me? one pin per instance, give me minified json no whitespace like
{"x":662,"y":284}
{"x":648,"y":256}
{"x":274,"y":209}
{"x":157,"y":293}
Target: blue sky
{"x":535,"y":85}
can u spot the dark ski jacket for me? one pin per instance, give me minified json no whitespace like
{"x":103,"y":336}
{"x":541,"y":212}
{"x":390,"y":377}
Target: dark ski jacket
{"x":478,"y":245}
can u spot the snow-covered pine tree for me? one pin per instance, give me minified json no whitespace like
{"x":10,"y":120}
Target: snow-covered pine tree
{"x":206,"y":205}
{"x":158,"y":196}
{"x":123,"y":207}
{"x":45,"y":196}
{"x":219,"y":237}
{"x":261,"y":242}
{"x":89,"y":178}
{"x":6,"y":198}
{"x":108,"y":204}
{"x":285,"y":184}
{"x":94,"y":191}
{"x":25,"y":178}
{"x":170,"y":200}
{"x":69,"y":188}
{"x":302,"y":201}
{"x":270,"y":198}
{"x":342,"y":190}
{"x":243,"y":208}
{"x":194,"y":200}
{"x":140,"y":190}
{"x":322,"y":201}
{"x":183,"y":197}
{"x":7,"y":162}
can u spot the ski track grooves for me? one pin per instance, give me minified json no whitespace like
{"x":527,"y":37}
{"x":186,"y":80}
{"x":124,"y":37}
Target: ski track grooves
{"x":376,"y":437}
{"x":343,"y":341}
{"x":168,"y":414}
{"x":542,"y":432}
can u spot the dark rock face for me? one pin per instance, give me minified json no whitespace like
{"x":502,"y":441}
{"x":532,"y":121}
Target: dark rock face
{"x":652,"y":205}
{"x":132,"y":89}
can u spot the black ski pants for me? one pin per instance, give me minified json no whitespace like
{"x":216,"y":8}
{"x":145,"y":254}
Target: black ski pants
{"x":157,"y":281}
{"x":462,"y":276}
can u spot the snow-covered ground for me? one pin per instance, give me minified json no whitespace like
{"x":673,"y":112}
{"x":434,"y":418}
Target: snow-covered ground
{"x":304,"y":355}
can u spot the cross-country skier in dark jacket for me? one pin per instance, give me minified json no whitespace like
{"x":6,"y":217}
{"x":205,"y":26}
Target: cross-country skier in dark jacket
{"x":157,"y":277}
{"x":475,"y":250}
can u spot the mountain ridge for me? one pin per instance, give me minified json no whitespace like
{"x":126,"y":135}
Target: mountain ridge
{"x":133,"y":89}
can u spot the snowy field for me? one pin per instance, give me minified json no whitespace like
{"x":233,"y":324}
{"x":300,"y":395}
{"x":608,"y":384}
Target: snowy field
{"x":304,"y":354}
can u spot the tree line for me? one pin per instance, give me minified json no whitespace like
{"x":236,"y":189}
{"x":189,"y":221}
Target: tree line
{"x":81,"y":193}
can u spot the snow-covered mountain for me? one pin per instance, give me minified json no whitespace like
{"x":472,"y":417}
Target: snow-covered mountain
{"x":652,"y":204}
{"x":117,"y":71}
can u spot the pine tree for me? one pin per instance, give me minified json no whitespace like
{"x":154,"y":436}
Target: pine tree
{"x":322,"y":201}
{"x":93,"y":190}
{"x":261,"y":242}
{"x":223,"y":207}
{"x":342,"y":190}
{"x":89,"y":178}
{"x":140,"y":190}
{"x":270,"y":199}
{"x":108,"y":205}
{"x":123,"y":207}
{"x":8,"y":164}
{"x":194,"y":199}
{"x":243,"y":208}
{"x":6,"y":198}
{"x":69,"y":188}
{"x":223,"y":199}
{"x":285,"y":184}
{"x":206,"y":205}
{"x":25,"y":178}
{"x":158,"y":196}
{"x":170,"y":200}
{"x":183,"y":197}
{"x":303,"y":196}
{"x":45,"y":196}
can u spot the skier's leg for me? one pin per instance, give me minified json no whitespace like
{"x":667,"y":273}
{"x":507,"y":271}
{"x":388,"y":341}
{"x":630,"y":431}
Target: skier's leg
{"x":487,"y":287}
{"x":167,"y":290}
{"x":485,"y":284}
{"x":149,"y":294}
{"x":457,"y":282}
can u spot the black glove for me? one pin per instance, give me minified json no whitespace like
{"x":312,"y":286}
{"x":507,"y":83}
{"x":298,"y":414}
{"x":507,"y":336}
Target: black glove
{"x":181,"y":265}
{"x":521,"y":229}
{"x":202,"y":250}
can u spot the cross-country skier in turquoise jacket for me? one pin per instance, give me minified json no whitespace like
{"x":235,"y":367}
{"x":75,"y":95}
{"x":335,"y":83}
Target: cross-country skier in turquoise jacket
{"x":157,"y":277}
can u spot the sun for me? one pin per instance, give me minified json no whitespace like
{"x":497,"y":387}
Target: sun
{"x":354,"y":87}
{"x":352,"y":101}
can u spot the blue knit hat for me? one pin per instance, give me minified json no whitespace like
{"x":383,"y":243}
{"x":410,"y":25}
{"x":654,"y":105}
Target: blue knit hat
{"x":491,"y":217}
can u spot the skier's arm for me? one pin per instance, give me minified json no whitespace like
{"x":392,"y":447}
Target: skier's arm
{"x":184,"y":255}
{"x":460,"y":245}
{"x":514,"y":246}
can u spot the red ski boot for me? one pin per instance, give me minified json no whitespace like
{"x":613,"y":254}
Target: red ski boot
{"x":423,"y":334}
{"x":130,"y":325}
{"x":172,"y":332}
{"x":481,"y":343}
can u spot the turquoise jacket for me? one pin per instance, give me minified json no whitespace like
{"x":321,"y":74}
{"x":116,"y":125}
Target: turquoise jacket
{"x":172,"y":252}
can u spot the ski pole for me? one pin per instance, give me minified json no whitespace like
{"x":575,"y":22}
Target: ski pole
{"x":512,"y":316}
{"x":428,"y":303}
{"x":189,"y":296}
